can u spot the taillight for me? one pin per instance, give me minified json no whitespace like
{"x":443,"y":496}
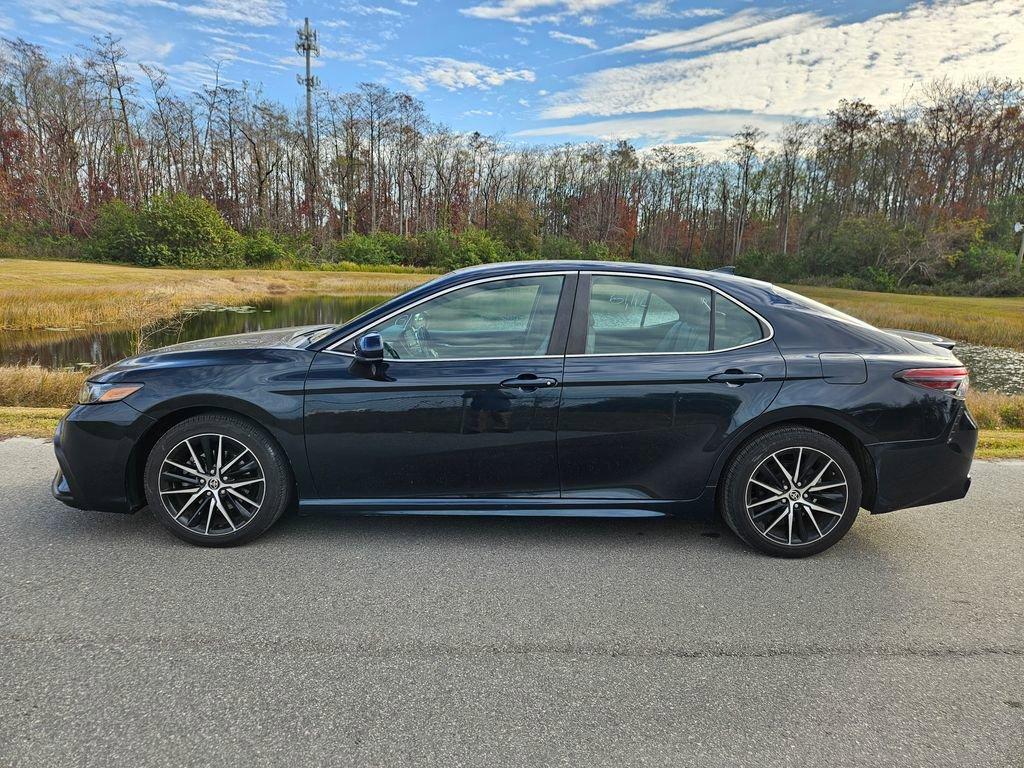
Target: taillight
{"x":952,"y":381}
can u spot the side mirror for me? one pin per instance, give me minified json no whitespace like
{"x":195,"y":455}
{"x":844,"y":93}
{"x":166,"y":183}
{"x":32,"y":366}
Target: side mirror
{"x":370,"y":348}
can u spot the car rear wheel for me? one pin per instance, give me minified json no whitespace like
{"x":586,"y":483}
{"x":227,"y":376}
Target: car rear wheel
{"x":217,"y":480}
{"x":791,"y":492}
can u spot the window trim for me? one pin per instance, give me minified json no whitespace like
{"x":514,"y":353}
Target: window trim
{"x":494,"y":278}
{"x":714,"y":290}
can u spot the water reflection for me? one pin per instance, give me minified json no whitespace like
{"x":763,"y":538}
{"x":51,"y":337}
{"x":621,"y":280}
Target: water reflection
{"x":100,"y":347}
{"x":993,"y":368}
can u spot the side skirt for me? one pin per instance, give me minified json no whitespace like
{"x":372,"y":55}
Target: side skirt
{"x":507,"y":507}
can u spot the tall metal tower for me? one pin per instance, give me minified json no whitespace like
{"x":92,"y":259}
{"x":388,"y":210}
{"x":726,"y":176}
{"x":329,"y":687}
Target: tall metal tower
{"x":308,"y":45}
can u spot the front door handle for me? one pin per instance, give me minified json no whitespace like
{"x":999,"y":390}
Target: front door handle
{"x":528,"y":382}
{"x":735,"y":377}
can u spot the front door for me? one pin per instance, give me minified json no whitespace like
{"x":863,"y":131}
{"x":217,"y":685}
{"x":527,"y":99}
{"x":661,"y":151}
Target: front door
{"x":660,"y":373}
{"x":467,"y":405}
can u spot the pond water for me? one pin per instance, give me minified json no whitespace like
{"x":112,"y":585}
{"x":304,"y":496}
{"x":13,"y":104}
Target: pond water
{"x":992,"y":368}
{"x":65,"y":348}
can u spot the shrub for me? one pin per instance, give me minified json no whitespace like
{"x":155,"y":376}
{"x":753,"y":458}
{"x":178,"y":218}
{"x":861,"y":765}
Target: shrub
{"x":560,"y":248}
{"x":435,"y":249}
{"x":365,"y":249}
{"x":260,"y":249}
{"x":177,"y":231}
{"x":476,"y":246}
{"x":516,"y":225}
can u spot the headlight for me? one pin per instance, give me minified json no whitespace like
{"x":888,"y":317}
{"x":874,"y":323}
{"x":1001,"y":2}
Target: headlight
{"x":92,"y":392}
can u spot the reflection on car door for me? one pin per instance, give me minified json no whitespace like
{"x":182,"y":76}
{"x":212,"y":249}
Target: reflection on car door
{"x":469,"y":406}
{"x":646,"y":405}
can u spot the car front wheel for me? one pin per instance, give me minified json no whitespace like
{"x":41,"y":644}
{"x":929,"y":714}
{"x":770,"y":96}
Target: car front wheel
{"x":791,"y":492}
{"x":217,"y":480}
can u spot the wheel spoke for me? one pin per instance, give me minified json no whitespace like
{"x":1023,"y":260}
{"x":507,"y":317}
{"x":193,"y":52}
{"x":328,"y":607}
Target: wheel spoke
{"x":818,"y":508}
{"x":821,"y":474}
{"x":195,"y":458}
{"x":179,"y":490}
{"x":775,"y":491}
{"x":230,"y":464}
{"x":236,"y":494}
{"x":209,"y":516}
{"x":807,"y":511}
{"x":820,"y":488}
{"x":769,"y":500}
{"x":183,"y":468}
{"x":796,"y":472}
{"x":778,"y":519}
{"x":220,"y":506}
{"x":785,"y":473}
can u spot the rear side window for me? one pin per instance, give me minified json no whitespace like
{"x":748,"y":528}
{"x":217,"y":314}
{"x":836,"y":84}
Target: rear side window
{"x":630,"y":315}
{"x":734,"y":326}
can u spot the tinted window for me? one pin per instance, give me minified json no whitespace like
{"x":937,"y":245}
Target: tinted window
{"x":634,"y":314}
{"x":734,"y":326}
{"x":501,"y":318}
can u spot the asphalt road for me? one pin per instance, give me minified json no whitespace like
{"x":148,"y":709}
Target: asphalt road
{"x":493,"y":642}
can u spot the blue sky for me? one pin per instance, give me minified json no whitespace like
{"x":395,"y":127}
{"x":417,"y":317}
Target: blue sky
{"x":546,"y":71}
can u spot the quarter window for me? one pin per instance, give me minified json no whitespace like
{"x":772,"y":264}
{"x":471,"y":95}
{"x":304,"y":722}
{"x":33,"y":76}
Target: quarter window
{"x":734,"y":326}
{"x":500,"y":318}
{"x":629,"y":315}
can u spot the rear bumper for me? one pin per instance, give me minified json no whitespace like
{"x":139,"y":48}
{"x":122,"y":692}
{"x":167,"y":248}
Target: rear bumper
{"x":918,"y":472}
{"x":94,"y":449}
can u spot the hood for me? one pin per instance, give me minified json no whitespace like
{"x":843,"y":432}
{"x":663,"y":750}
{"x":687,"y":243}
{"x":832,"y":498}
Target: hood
{"x":278,"y":337}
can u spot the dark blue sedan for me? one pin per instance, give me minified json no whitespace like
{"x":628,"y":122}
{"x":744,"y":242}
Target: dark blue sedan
{"x":540,"y":388}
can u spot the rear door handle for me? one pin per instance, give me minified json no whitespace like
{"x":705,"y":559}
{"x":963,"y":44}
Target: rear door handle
{"x":735,"y":377}
{"x":528,"y":382}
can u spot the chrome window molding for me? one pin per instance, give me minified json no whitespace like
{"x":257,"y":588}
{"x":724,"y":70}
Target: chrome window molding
{"x":764,"y":323}
{"x":405,"y":308}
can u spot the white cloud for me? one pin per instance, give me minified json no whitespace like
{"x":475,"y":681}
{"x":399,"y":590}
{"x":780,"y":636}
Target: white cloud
{"x":6,"y":23}
{"x":456,"y":75}
{"x":259,"y":13}
{"x":806,"y":71}
{"x":662,"y":128}
{"x":573,"y":39}
{"x":372,"y":10}
{"x":535,"y":11}
{"x":477,"y":113}
{"x":662,"y":9}
{"x":743,"y":28}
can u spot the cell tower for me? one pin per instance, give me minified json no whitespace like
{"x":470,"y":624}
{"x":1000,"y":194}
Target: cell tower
{"x":308,"y":46}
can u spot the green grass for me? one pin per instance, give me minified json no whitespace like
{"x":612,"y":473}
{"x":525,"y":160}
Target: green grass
{"x":993,"y":321}
{"x":29,"y":422}
{"x":67,"y":294}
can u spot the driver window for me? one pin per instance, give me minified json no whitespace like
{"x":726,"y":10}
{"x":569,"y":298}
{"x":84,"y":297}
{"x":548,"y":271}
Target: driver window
{"x":501,"y":318}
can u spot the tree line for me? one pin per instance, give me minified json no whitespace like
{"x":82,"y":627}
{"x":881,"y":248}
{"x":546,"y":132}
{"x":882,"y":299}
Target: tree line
{"x":922,"y":195}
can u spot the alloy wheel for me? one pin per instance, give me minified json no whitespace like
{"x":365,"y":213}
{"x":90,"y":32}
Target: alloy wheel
{"x":796,"y":496}
{"x":212,"y":484}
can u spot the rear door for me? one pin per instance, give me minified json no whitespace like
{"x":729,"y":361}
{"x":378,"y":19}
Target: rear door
{"x":660,"y":372}
{"x":467,"y":406}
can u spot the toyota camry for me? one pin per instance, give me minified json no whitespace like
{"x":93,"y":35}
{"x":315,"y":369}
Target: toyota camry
{"x":538,"y":388}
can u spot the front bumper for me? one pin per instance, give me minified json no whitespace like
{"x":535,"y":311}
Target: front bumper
{"x":94,"y":445}
{"x":914,"y":473}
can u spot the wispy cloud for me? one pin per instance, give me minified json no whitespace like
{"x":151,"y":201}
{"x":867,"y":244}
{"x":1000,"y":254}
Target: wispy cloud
{"x":536,"y":11}
{"x":661,"y":128}
{"x":743,"y":28}
{"x":586,"y":42}
{"x":456,"y":75}
{"x":665,"y":9}
{"x":804,"y":71}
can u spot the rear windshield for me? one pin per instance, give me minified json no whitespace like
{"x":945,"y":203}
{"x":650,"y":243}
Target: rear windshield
{"x":818,"y":307}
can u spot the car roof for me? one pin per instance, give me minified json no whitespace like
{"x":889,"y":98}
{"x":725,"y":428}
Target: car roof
{"x":565,"y":265}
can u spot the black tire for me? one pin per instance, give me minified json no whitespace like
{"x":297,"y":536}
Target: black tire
{"x":814,"y":520}
{"x":244,"y":502}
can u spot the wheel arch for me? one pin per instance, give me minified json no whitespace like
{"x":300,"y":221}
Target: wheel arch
{"x":832,"y":423}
